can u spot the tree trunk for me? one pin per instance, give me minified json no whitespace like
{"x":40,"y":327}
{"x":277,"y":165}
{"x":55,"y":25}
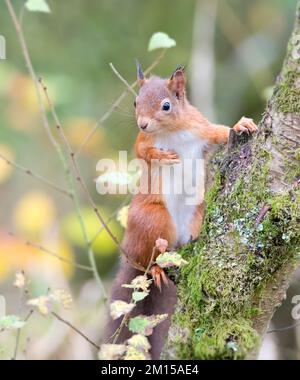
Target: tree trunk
{"x":249,"y":247}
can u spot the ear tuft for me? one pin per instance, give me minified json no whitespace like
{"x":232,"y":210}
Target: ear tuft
{"x":140,"y":74}
{"x":178,"y":68}
{"x":177,"y":82}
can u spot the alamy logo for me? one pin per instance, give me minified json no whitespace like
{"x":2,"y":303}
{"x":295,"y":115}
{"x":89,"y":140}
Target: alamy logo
{"x":2,"y":48}
{"x":2,"y":306}
{"x":296,"y":308}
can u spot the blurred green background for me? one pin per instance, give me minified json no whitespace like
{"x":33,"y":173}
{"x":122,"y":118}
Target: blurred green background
{"x":233,"y":51}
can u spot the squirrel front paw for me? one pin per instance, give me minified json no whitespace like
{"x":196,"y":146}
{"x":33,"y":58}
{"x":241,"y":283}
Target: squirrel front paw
{"x":168,"y":157}
{"x":245,"y":125}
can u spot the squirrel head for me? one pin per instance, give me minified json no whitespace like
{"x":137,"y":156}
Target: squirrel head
{"x":160,"y":103}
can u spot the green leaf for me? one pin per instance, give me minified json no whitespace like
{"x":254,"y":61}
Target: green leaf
{"x":144,"y":325}
{"x":139,"y":325}
{"x":37,"y":6}
{"x":160,"y":40}
{"x":11,"y":322}
{"x":170,"y":259}
{"x":139,"y":296}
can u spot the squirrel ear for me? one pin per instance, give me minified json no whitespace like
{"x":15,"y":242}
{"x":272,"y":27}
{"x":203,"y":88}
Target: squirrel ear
{"x":177,"y":81}
{"x":140,"y":74}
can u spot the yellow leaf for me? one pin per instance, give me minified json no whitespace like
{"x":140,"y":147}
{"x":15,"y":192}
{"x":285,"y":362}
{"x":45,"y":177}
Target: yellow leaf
{"x":133,"y":354}
{"x":43,"y":303}
{"x":34,"y":213}
{"x":62,"y":297}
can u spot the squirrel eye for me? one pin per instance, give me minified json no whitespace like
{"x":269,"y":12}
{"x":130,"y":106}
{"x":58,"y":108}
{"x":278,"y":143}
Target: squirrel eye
{"x":134,"y":104}
{"x":166,"y":106}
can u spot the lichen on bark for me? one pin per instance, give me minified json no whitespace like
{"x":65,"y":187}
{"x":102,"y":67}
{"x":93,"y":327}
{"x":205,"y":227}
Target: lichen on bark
{"x":249,"y":245}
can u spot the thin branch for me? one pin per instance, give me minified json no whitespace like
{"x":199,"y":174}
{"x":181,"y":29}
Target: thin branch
{"x":117,"y":333}
{"x":117,"y":103}
{"x":36,"y":176}
{"x":120,"y":328}
{"x":122,"y":79}
{"x":19,"y":333}
{"x":21,"y":300}
{"x":110,"y":218}
{"x":75,"y":329}
{"x":53,"y":254}
{"x":81,"y":181}
{"x":64,"y":162}
{"x":26,"y":55}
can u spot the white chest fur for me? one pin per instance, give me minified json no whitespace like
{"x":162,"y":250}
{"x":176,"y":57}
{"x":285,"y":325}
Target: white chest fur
{"x":183,"y":184}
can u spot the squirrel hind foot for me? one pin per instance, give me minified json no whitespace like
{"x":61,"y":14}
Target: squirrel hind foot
{"x":159,"y":276}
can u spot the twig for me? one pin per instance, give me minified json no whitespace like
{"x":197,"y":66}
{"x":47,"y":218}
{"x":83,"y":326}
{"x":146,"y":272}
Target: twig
{"x":117,"y":333}
{"x":49,"y":252}
{"x":75,"y":329}
{"x":19,"y":332}
{"x":117,"y":103}
{"x":129,"y":87}
{"x":120,"y":328}
{"x":22,"y":291}
{"x":26,"y":55}
{"x":36,"y":176}
{"x":111,"y":217}
{"x":64,"y":162}
{"x":82,"y":182}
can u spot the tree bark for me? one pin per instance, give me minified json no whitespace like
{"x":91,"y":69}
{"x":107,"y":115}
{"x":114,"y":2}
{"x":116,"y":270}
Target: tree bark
{"x":249,"y":246}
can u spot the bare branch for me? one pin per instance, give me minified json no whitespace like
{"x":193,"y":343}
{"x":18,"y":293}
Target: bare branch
{"x":81,"y":181}
{"x":117,"y":103}
{"x":129,"y":87}
{"x":36,"y":176}
{"x":76,"y":330}
{"x":63,"y":160}
{"x":49,"y":252}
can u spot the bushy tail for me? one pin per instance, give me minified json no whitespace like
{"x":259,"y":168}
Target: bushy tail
{"x":156,"y":303}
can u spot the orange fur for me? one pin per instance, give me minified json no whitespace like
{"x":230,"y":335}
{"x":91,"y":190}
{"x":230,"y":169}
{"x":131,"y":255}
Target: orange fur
{"x":149,"y":218}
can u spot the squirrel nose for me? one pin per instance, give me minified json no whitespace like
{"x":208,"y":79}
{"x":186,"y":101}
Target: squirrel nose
{"x":144,"y":126}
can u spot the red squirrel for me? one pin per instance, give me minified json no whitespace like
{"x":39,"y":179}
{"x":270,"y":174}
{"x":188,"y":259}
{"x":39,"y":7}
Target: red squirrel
{"x":171,"y":130}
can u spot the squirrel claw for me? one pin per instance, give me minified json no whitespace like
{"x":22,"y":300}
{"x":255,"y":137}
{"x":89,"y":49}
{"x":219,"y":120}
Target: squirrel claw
{"x":159,"y":276}
{"x":245,"y":125}
{"x":169,"y":158}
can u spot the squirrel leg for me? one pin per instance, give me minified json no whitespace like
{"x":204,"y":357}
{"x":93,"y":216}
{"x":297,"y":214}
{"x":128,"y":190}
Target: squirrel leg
{"x":146,"y":223}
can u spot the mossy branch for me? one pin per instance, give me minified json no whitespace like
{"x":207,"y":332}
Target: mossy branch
{"x":240,"y":268}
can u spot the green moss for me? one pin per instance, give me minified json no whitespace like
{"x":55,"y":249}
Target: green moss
{"x":288,"y":93}
{"x":235,"y":257}
{"x":297,"y":154}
